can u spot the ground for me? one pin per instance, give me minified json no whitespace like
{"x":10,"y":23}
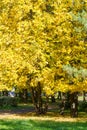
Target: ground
{"x":24,"y":118}
{"x":26,"y":111}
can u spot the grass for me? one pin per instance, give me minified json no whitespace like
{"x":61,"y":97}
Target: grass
{"x":20,"y":106}
{"x":40,"y":125}
{"x":51,"y":121}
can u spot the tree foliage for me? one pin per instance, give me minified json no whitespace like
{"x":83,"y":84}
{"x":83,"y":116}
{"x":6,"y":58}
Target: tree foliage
{"x":38,"y":37}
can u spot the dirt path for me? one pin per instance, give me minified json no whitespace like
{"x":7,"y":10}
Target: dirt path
{"x":29,"y":113}
{"x":17,"y":111}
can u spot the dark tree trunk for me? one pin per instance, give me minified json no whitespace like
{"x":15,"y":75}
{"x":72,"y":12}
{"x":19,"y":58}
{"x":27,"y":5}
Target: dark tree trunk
{"x":5,"y":93}
{"x":59,"y":95}
{"x":52,"y":99}
{"x":34,"y":98}
{"x":74,"y":104}
{"x":0,"y":94}
{"x":62,"y":104}
{"x":21,"y":96}
{"x":36,"y":92}
{"x":67,"y":105}
{"x":84,"y":94}
{"x":25,"y":95}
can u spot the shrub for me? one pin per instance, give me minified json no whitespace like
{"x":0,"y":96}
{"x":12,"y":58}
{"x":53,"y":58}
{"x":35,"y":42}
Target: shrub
{"x":83,"y":106}
{"x":8,"y":101}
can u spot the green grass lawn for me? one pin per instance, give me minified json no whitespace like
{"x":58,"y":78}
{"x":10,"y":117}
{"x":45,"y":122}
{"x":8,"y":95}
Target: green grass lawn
{"x":29,"y":121}
{"x":26,"y":124}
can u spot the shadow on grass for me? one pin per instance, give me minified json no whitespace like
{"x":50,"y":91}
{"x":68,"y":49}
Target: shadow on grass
{"x":28,"y":110}
{"x":41,"y":125}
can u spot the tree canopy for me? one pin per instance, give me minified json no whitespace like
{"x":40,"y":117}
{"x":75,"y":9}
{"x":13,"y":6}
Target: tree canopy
{"x":43,"y":41}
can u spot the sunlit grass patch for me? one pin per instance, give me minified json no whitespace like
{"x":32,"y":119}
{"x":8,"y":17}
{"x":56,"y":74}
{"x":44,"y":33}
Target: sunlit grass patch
{"x":26,"y":124}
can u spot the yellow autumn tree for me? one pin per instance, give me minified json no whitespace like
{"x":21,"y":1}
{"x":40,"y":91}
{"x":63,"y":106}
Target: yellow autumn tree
{"x":38,"y":37}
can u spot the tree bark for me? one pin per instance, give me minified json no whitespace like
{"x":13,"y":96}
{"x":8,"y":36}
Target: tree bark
{"x":59,"y":95}
{"x":36,"y":92}
{"x":25,"y":95}
{"x":74,"y":104}
{"x":5,"y":93}
{"x":84,"y":94}
{"x":52,"y":99}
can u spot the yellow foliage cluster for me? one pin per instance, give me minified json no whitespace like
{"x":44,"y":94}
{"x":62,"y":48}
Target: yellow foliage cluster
{"x":37,"y":37}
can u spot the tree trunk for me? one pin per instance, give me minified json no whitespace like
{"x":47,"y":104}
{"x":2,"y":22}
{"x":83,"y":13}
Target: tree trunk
{"x":67,"y":105}
{"x":5,"y":93}
{"x":52,"y":99}
{"x":21,"y":96}
{"x":25,"y":95}
{"x":36,"y":92}
{"x":74,"y":104}
{"x":62,"y":104}
{"x":84,"y":94}
{"x":59,"y":95}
